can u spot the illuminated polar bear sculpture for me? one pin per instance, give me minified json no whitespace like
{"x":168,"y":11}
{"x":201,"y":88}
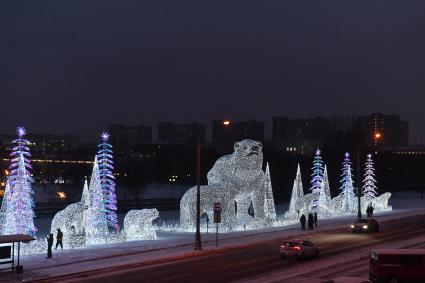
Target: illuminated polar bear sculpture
{"x":238,"y":179}
{"x":71,"y":222}
{"x":138,"y":224}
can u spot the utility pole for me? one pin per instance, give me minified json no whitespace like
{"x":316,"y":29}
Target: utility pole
{"x":198,"y":198}
{"x":359,"y":208}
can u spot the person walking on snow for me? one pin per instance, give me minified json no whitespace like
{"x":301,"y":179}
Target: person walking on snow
{"x":59,"y":238}
{"x":310,"y":221}
{"x":302,"y":220}
{"x":49,"y":245}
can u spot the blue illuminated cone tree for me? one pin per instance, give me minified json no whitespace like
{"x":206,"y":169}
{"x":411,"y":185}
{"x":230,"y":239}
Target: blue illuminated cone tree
{"x":107,"y":180}
{"x":317,"y":179}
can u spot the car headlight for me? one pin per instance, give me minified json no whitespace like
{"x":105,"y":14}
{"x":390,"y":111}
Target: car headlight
{"x":352,"y":226}
{"x":365,"y":227}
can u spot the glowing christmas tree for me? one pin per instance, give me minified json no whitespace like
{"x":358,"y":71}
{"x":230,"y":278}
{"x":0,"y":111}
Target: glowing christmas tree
{"x":107,"y":180}
{"x":19,"y":204}
{"x":4,"y":207}
{"x":96,"y":224}
{"x":369,"y":182}
{"x":297,"y":198}
{"x":325,"y":195}
{"x":317,"y":178}
{"x":347,"y":187}
{"x":269,"y":207}
{"x":85,"y":197}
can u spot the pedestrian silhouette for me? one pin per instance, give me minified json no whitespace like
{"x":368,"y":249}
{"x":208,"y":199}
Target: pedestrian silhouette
{"x":310,"y":221}
{"x":371,"y":211}
{"x":315,"y":219}
{"x":302,"y":220}
{"x":59,"y":237}
{"x":49,"y":245}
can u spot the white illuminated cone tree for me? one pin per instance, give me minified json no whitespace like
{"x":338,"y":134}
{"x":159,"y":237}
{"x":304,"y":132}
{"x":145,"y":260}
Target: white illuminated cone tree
{"x":269,"y":207}
{"x":4,"y":207}
{"x":324,"y":202}
{"x":369,"y":182}
{"x":85,"y":197}
{"x":96,"y":224}
{"x":297,"y":198}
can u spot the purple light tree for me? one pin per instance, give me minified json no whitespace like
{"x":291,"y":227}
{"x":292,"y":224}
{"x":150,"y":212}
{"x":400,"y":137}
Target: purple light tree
{"x":107,"y":180}
{"x":19,"y":213}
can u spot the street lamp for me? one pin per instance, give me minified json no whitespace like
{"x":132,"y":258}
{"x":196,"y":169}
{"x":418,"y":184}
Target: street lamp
{"x":198,"y":245}
{"x":376,"y":136}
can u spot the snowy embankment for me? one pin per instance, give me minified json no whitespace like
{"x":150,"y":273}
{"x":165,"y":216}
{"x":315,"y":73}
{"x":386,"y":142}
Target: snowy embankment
{"x":179,"y":245}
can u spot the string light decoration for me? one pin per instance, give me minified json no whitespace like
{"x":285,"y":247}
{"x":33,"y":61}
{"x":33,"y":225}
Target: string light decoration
{"x":269,"y":207}
{"x":369,"y":182}
{"x":296,"y":204}
{"x":316,"y":180}
{"x":70,"y":221}
{"x":236,"y":178}
{"x":343,"y":204}
{"x":107,"y":180}
{"x":96,"y":225}
{"x":349,"y":202}
{"x":4,"y":209}
{"x":19,"y":214}
{"x":138,"y":224}
{"x":325,"y":196}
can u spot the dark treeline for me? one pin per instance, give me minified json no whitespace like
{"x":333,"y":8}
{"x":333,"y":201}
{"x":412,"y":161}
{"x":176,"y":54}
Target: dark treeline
{"x":176,"y":164}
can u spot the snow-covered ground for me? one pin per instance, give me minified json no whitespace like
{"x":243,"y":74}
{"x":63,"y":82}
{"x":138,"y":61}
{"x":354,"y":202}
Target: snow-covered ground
{"x":180,"y":244}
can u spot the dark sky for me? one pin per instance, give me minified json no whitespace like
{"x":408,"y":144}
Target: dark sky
{"x":74,"y":66}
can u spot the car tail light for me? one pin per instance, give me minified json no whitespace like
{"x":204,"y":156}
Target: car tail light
{"x":297,"y":248}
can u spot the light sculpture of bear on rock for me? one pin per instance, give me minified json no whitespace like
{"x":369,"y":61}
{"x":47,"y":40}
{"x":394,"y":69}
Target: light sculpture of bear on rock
{"x":236,"y":180}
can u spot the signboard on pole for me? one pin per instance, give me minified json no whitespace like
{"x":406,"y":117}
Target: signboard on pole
{"x":217,"y":212}
{"x":217,"y":219}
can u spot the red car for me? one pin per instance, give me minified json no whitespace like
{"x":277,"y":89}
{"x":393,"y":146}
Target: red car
{"x":298,"y":249}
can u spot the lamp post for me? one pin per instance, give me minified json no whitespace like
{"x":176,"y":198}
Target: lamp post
{"x":376,"y":136}
{"x":359,"y":208}
{"x":198,"y":245}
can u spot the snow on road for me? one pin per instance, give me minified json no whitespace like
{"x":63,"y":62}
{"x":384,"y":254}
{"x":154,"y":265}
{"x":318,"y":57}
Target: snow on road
{"x":350,"y":264}
{"x":175,"y":246}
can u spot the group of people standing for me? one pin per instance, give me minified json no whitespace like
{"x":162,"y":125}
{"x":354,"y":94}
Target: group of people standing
{"x":59,"y":238}
{"x":310,"y":219}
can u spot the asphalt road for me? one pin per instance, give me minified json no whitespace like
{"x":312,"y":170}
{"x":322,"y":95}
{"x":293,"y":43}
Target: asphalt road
{"x":255,"y":261}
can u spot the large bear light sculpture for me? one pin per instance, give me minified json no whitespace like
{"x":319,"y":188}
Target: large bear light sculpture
{"x":236,"y":181}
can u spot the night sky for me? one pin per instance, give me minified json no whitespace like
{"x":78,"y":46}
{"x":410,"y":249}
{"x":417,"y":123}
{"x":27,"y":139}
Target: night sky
{"x":74,"y":66}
